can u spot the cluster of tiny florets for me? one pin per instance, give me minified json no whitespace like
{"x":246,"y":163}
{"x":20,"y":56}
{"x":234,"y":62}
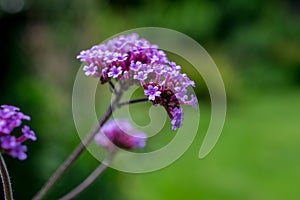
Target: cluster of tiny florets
{"x":121,"y":133}
{"x":136,"y":59}
{"x":11,"y":118}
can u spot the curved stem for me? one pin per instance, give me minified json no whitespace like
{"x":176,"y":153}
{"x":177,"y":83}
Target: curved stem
{"x":80,"y":148}
{"x":5,"y":180}
{"x":89,"y":180}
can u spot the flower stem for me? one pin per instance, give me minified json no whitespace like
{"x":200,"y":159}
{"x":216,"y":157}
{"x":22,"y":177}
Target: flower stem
{"x":112,"y":86}
{"x":80,"y":148}
{"x":133,"y":101}
{"x":89,"y":180}
{"x":5,"y":180}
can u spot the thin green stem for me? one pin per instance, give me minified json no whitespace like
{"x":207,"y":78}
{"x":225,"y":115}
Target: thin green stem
{"x":5,"y":180}
{"x":89,"y":180}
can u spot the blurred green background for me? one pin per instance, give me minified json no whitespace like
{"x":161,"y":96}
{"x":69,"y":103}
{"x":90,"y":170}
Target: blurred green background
{"x":254,"y":43}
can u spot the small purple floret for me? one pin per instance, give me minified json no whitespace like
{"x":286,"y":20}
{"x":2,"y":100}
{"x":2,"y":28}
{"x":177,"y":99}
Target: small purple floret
{"x":11,"y":118}
{"x":19,"y":152}
{"x":140,"y":76}
{"x":193,"y":102}
{"x":28,"y":133}
{"x":91,"y":70}
{"x":8,"y":142}
{"x":177,"y":118}
{"x":115,"y":72}
{"x":152,"y":92}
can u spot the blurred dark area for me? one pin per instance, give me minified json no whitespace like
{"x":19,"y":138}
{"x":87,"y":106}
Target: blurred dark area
{"x":254,"y":43}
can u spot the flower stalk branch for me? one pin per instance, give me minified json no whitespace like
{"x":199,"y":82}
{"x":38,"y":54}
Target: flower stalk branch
{"x":80,"y":148}
{"x":112,"y":86}
{"x":133,"y":101}
{"x":115,"y":134}
{"x":5,"y":180}
{"x":90,"y":179}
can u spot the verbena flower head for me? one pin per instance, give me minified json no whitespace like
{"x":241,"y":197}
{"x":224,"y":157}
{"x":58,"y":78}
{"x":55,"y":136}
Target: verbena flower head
{"x":121,"y":133}
{"x":137,"y":60}
{"x":11,"y":118}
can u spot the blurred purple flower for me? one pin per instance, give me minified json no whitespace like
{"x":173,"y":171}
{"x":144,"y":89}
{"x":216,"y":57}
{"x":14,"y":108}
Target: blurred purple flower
{"x":11,"y":118}
{"x":121,"y":133}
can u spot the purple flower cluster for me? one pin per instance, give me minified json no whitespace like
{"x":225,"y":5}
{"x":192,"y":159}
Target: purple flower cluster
{"x":121,"y":133}
{"x":136,"y":59}
{"x":11,"y":118}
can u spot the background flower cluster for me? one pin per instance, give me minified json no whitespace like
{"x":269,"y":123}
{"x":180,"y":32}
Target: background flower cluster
{"x":11,"y":118}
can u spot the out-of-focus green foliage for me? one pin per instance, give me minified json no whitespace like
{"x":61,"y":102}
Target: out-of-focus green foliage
{"x":256,"y":47}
